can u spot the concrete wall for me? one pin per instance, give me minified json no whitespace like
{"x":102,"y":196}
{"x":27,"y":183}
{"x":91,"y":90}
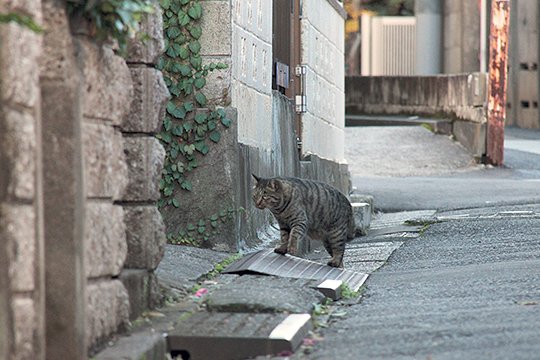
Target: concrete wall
{"x":460,"y":98}
{"x":251,"y":81}
{"x":461,"y":36}
{"x":323,"y":46}
{"x":80,"y":231}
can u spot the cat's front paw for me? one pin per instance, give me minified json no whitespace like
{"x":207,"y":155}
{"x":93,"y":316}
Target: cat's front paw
{"x":335,"y":263}
{"x":281,"y":250}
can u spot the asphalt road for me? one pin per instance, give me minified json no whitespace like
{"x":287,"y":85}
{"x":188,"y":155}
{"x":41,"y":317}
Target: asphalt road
{"x":408,"y":168}
{"x":469,"y":286}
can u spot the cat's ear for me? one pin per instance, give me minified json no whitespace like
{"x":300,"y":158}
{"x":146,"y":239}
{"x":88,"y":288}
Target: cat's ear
{"x":257,"y":179}
{"x":275,"y":185}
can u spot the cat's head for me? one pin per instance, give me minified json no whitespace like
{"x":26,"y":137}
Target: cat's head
{"x":267,"y":193}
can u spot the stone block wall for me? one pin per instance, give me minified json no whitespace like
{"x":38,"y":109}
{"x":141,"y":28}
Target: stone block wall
{"x":21,"y":216}
{"x":79,"y":227}
{"x":107,"y":93}
{"x":145,"y":230}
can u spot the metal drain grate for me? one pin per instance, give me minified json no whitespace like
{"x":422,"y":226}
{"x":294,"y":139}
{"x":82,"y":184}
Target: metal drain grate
{"x":269,"y":263}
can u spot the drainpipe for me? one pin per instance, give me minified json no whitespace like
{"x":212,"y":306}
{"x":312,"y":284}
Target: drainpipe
{"x":428,"y":36}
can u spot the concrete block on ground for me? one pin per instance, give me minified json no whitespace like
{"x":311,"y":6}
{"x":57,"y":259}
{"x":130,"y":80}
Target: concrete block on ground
{"x":362,"y":216}
{"x":145,"y":345}
{"x":472,"y":136}
{"x":362,"y":198}
{"x":145,"y":237}
{"x":108,"y":89}
{"x":147,"y":51}
{"x":264,"y":294}
{"x":144,"y":156}
{"x":148,"y":103}
{"x":105,"y":238}
{"x":18,"y":231}
{"x":143,"y":290}
{"x":107,"y":310}
{"x":105,"y":164}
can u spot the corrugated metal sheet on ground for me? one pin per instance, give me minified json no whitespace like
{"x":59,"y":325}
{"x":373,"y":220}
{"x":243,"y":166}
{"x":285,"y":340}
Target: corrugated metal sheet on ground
{"x":269,"y":263}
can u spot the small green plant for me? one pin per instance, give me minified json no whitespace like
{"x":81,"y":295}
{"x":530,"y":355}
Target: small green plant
{"x":348,"y":293}
{"x":195,"y":234}
{"x":428,"y":127}
{"x":117,"y":19}
{"x":220,"y":266}
{"x":23,"y":20}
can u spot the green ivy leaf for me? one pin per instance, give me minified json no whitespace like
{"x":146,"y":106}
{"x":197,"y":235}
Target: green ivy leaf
{"x":215,"y":136}
{"x":190,"y":227}
{"x":188,"y":127}
{"x":171,"y":52}
{"x":173,"y":32}
{"x":221,"y":66}
{"x":195,"y":11}
{"x":185,"y":70}
{"x":195,"y":46}
{"x":196,"y":32}
{"x":226,"y":122}
{"x":174,"y":155}
{"x":165,"y":4}
{"x":183,"y":53}
{"x":160,"y":64}
{"x":186,"y":185}
{"x":201,"y":99}
{"x":200,"y":118}
{"x":177,"y":130}
{"x":166,"y":137}
{"x":201,"y":229}
{"x":202,"y":147}
{"x":196,"y":61}
{"x":175,"y":203}
{"x":175,"y":90}
{"x":188,"y":106}
{"x":168,"y":191}
{"x":188,"y":149}
{"x":183,"y":18}
{"x":214,"y":224}
{"x":199,"y":83}
{"x":212,"y":125}
{"x":184,"y":2}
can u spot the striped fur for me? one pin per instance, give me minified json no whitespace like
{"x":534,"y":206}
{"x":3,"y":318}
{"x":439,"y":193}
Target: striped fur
{"x":310,"y":207}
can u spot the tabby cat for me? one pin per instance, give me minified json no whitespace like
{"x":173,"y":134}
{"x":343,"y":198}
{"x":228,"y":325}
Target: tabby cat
{"x":303,"y":207}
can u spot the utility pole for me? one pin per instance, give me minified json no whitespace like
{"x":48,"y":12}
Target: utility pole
{"x":497,"y":72}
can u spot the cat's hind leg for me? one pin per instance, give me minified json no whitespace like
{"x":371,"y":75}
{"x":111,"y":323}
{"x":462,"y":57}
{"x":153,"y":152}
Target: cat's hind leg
{"x":336,"y":242}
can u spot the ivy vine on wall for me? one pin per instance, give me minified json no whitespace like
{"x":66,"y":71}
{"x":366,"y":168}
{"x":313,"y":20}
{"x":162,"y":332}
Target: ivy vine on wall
{"x":190,"y":127}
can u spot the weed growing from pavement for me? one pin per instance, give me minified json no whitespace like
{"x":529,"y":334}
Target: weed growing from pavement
{"x":425,"y":223}
{"x":220,"y":266}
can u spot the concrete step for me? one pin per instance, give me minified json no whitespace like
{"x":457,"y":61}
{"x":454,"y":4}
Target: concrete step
{"x":227,"y":336}
{"x":439,"y":126}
